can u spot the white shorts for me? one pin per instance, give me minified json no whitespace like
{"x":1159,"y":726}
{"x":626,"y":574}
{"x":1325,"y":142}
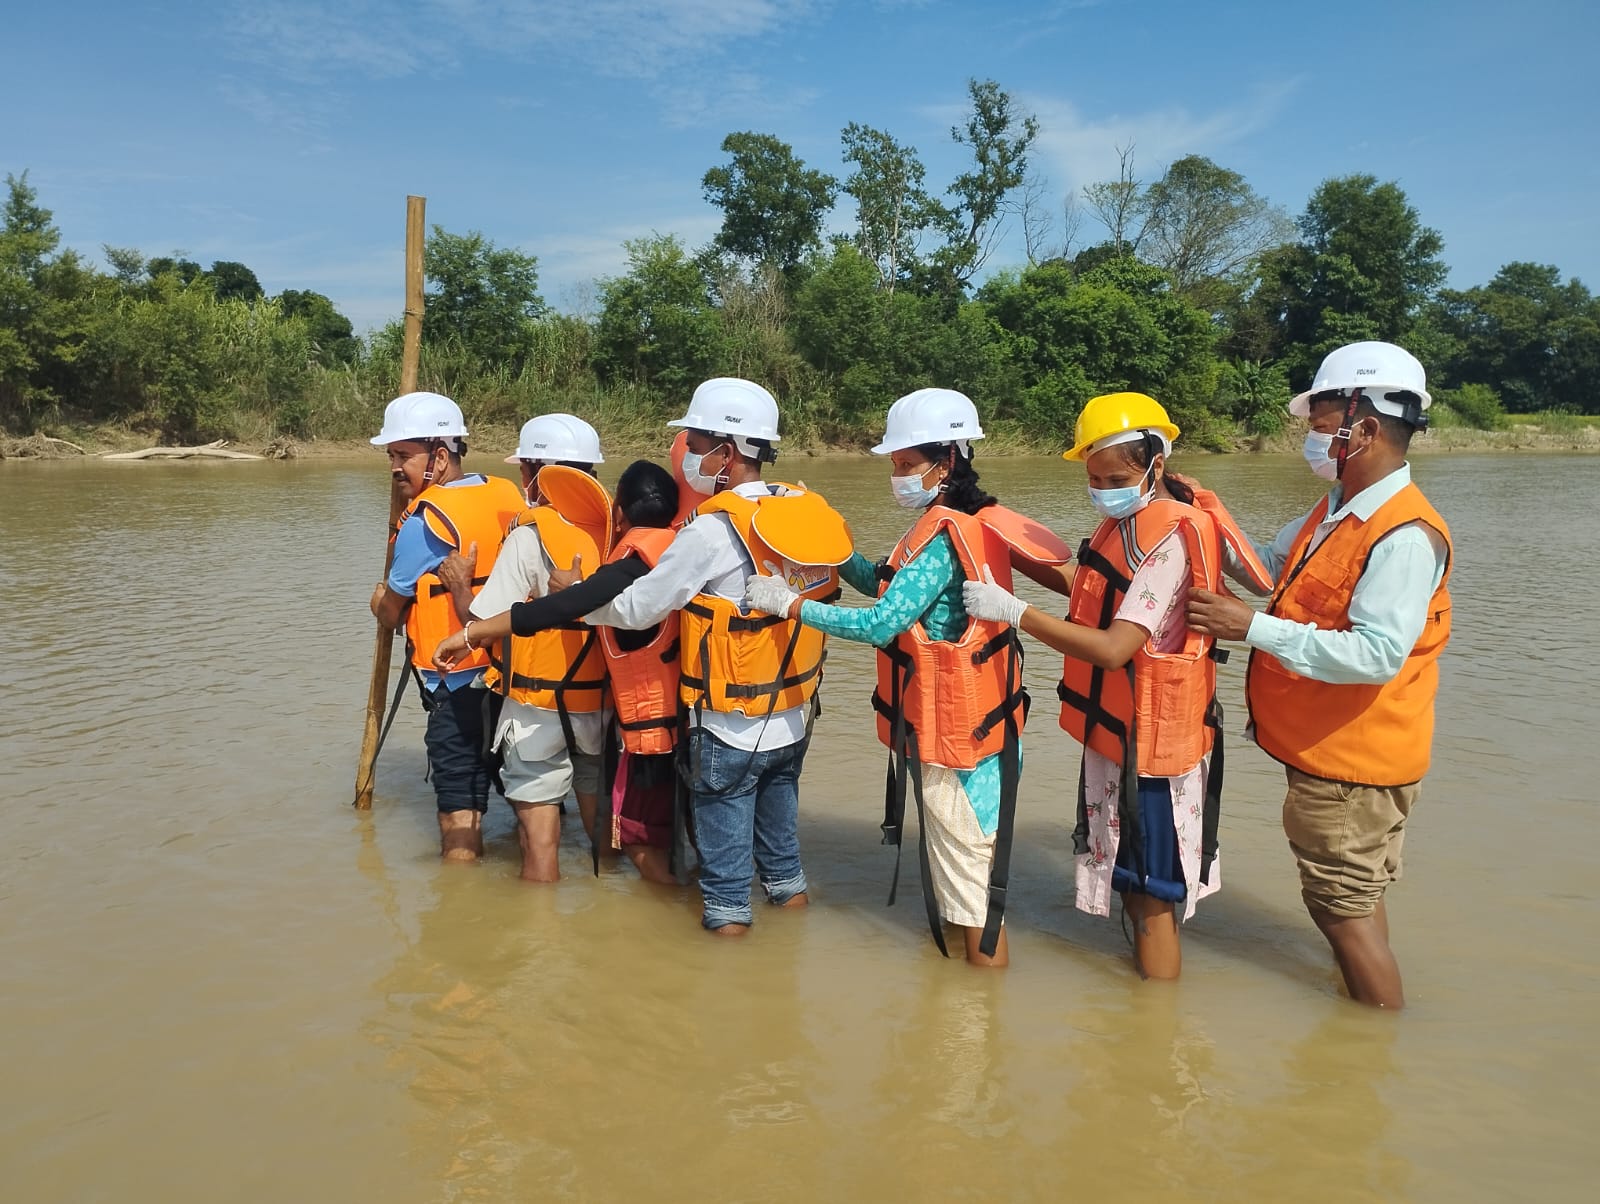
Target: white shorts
{"x":536,"y":766}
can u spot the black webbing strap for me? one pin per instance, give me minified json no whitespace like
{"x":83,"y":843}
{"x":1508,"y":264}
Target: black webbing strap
{"x":1211,"y":815}
{"x":439,"y":587}
{"x":610,"y":764}
{"x":678,"y":857}
{"x":1010,"y":780}
{"x":904,"y":763}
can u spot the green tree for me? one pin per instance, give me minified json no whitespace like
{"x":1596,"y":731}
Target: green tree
{"x":1204,"y":223}
{"x":657,"y":326}
{"x":998,"y":135}
{"x":331,"y":334}
{"x":772,"y":203}
{"x":481,"y":298}
{"x":1118,"y":326}
{"x":1532,"y":338}
{"x":44,"y":308}
{"x":231,"y":280}
{"x":187,"y":271}
{"x":893,"y":210}
{"x":1364,"y":268}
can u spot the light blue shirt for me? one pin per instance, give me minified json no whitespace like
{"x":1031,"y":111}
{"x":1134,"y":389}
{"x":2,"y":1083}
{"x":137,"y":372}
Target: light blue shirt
{"x":1388,"y":608}
{"x":417,"y":550}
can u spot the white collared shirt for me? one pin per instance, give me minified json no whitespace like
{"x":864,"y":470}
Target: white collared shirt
{"x":1388,"y":607}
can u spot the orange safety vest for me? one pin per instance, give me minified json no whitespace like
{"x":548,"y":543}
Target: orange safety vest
{"x":1373,"y":735}
{"x":953,"y":694}
{"x":561,"y":668}
{"x":460,"y":515}
{"x":1160,"y":716}
{"x":644,"y":682}
{"x":754,"y":664}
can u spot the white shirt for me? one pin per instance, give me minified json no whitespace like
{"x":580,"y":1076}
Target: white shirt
{"x":522,"y":571}
{"x":1388,"y":607}
{"x":706,"y":557}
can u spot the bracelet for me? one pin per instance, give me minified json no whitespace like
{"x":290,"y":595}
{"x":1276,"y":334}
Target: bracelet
{"x":466,"y":634}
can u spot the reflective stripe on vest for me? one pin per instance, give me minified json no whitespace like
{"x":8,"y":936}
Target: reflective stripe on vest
{"x":1376,"y":735}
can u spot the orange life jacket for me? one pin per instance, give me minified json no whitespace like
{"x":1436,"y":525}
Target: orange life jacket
{"x":561,"y":668}
{"x":460,"y":515}
{"x":754,"y":664}
{"x":1160,"y":716}
{"x":955,"y":695}
{"x":644,"y":682}
{"x":1374,"y":735}
{"x":1165,"y":697}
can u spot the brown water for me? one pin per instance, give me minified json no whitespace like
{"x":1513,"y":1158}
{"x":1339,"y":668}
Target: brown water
{"x":219,"y":982}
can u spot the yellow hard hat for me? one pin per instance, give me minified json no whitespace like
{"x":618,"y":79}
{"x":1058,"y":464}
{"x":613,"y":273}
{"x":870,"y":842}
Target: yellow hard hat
{"x":1113,"y":414}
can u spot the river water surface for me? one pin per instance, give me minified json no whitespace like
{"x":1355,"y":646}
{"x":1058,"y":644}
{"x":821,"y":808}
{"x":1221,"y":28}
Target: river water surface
{"x":220,"y":982}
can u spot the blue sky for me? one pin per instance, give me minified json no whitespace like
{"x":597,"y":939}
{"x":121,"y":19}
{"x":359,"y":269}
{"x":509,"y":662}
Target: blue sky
{"x":286,"y":135}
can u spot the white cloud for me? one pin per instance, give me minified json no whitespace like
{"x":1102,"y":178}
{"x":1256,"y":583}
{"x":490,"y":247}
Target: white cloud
{"x":1075,"y":149}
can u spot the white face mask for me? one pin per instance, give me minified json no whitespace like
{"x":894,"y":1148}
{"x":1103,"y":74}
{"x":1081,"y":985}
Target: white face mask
{"x":911,"y":493}
{"x":1316,"y":451}
{"x":693,"y":478}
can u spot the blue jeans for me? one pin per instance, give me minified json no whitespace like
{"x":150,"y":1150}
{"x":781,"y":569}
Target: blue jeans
{"x":746,"y":805}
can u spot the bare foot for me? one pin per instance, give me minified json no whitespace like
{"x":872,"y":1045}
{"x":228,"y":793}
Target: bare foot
{"x":731,"y":930}
{"x":800,"y":900}
{"x":459,"y":855}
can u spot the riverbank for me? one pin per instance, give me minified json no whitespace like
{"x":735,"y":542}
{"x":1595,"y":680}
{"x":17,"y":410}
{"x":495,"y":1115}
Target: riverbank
{"x":1530,"y":433}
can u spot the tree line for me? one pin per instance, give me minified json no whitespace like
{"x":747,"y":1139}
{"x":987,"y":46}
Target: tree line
{"x":1196,"y":290}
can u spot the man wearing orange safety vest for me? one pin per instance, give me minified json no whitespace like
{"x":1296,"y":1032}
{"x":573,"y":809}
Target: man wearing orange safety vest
{"x":747,"y":680}
{"x":452,"y":520}
{"x":550,"y":729}
{"x":1345,"y":668}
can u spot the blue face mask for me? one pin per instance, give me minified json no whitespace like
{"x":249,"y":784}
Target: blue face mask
{"x":1122,"y":503}
{"x":694,"y":479}
{"x":910,"y":492}
{"x":1316,"y":451}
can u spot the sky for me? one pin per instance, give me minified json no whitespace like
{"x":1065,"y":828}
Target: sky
{"x":287,"y":135}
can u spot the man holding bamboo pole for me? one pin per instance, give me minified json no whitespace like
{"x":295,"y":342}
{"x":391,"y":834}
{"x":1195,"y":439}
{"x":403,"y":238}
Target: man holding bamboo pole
{"x":455,"y":515}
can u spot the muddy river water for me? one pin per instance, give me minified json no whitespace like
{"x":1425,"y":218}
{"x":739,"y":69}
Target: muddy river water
{"x":220,"y":982}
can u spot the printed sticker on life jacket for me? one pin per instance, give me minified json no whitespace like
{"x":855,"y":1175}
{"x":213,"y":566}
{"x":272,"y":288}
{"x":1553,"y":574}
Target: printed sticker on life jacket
{"x":802,"y":578}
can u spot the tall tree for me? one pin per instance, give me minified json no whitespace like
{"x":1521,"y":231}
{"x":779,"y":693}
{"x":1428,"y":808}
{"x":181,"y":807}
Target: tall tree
{"x":330,"y":331}
{"x":231,"y":280}
{"x":481,"y":297}
{"x":998,"y":135}
{"x":893,"y":210}
{"x":1203,"y":223}
{"x":1364,"y":268}
{"x":657,"y":326}
{"x":772,"y":203}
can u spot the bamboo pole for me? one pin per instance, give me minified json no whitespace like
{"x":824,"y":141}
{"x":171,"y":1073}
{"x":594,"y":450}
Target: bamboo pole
{"x":383,"y":646}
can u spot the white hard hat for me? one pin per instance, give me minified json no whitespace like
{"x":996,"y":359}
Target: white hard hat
{"x":554,"y":438}
{"x":421,"y":416}
{"x":1379,"y":370}
{"x":741,"y":409}
{"x":930,"y":416}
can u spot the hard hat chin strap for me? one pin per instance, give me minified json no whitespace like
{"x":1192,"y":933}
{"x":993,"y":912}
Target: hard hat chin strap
{"x":1346,"y":429}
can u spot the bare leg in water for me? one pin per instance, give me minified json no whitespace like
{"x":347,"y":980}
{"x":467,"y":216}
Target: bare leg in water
{"x":971,"y":938}
{"x":460,"y":835}
{"x":1156,"y":951}
{"x":539,"y":832}
{"x":653,"y":864}
{"x":1361,"y":946}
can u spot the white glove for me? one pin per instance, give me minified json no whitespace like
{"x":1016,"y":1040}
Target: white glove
{"x":986,"y":600}
{"x":769,"y":595}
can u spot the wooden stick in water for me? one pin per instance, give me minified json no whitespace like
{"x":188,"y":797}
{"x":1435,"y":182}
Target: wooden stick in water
{"x":383,"y":647}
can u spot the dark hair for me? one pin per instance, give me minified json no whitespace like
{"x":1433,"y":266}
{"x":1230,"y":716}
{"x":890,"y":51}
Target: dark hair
{"x":1395,"y":430}
{"x":961,"y":489}
{"x":647,"y":495}
{"x":1140,"y":452}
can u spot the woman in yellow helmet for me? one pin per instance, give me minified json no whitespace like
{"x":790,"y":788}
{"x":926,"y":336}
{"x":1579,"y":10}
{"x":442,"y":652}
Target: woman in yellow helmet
{"x":1138,"y":687}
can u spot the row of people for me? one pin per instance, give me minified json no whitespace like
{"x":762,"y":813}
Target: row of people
{"x":712,"y":631}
